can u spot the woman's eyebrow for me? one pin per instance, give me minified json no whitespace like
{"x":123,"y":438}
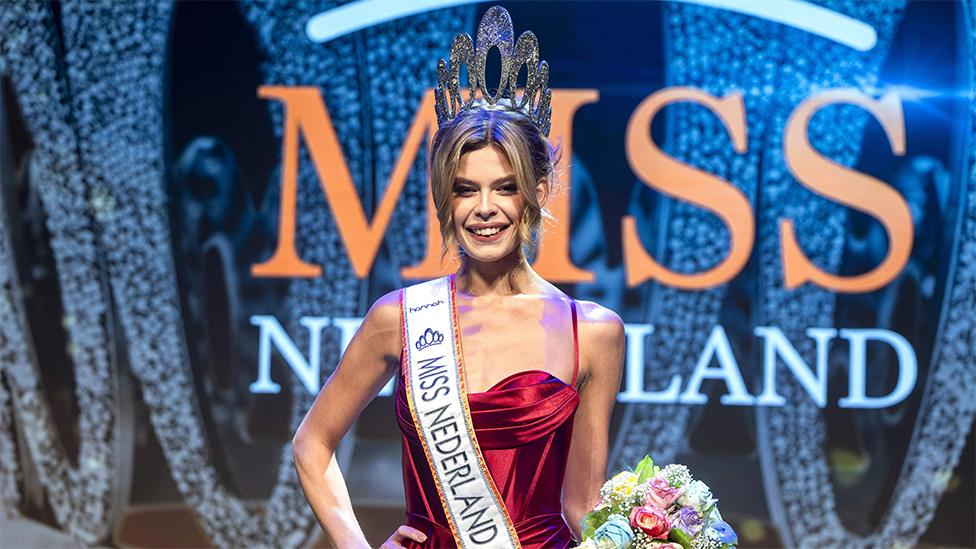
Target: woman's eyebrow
{"x":504,"y":179}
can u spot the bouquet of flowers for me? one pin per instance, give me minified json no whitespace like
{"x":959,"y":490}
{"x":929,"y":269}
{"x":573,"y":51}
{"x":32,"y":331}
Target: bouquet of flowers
{"x":655,"y":508}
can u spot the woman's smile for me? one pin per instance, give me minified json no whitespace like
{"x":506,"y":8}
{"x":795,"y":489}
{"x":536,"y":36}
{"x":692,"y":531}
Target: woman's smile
{"x":488,"y":233}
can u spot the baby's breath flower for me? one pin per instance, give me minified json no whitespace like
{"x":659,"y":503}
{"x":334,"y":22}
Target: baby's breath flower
{"x":676,"y":474}
{"x":707,"y":539}
{"x":641,"y":540}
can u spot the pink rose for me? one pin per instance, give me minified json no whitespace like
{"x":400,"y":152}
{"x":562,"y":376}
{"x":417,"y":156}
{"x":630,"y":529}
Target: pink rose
{"x":652,"y":521}
{"x":668,"y":545}
{"x":661,"y":494}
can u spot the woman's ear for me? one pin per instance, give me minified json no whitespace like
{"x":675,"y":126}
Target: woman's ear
{"x":542,"y":192}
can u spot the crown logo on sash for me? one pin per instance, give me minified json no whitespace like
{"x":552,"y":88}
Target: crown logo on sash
{"x":429,"y":338}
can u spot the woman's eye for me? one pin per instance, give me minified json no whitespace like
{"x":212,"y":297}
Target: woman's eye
{"x":463,"y":191}
{"x":509,"y":189}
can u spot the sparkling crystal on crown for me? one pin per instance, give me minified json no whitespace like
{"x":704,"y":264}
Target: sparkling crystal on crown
{"x":495,"y":30}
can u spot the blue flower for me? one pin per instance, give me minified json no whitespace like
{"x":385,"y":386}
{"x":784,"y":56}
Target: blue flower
{"x":725,"y":532}
{"x":615,"y":530}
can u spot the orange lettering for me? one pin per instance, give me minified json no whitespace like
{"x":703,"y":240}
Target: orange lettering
{"x":553,"y":262}
{"x":305,"y":112}
{"x":678,"y":180}
{"x":431,"y":266}
{"x":850,"y":188}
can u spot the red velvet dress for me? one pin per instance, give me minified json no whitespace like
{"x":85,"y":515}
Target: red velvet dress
{"x":523,"y":424}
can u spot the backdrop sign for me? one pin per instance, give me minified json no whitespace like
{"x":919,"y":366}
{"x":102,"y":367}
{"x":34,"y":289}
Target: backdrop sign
{"x":201,"y":200}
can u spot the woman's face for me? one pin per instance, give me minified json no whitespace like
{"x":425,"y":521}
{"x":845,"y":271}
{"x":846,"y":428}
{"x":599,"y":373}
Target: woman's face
{"x":487,"y":205}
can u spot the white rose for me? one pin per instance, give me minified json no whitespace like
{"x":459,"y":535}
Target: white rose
{"x":588,"y":543}
{"x":696,"y":495}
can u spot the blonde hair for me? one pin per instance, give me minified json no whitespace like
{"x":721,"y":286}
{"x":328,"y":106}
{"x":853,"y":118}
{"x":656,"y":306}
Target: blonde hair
{"x":519,"y":139}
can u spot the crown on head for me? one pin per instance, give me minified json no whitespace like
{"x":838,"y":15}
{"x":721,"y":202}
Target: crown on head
{"x":495,"y":30}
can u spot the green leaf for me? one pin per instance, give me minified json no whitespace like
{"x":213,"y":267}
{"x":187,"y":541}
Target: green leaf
{"x":679,"y":536}
{"x":706,"y":514}
{"x":594,"y":519}
{"x":645,"y":469}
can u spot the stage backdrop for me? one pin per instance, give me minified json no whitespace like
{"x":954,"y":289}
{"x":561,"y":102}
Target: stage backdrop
{"x":200,"y":200}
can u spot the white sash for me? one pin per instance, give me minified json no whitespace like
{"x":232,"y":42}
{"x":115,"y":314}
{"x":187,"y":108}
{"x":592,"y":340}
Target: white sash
{"x":439,"y":406}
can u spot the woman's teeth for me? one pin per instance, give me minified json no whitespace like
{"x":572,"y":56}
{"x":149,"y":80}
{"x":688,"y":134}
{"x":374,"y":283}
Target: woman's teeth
{"x":486,"y":232}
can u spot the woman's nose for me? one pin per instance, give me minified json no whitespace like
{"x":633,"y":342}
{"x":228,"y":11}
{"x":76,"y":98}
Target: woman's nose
{"x":486,"y":206}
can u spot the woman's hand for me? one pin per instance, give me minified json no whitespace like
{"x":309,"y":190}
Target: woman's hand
{"x":402,"y":533}
{"x":369,"y":361}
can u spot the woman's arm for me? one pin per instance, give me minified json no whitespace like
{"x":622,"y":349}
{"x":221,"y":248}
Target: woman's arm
{"x":368,"y":362}
{"x":601,"y":335}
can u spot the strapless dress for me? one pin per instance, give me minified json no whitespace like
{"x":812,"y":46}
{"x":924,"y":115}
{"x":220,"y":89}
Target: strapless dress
{"x":524,"y":424}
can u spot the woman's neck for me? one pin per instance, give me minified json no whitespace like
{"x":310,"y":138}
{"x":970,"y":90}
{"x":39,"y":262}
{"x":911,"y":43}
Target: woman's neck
{"x":508,"y":276}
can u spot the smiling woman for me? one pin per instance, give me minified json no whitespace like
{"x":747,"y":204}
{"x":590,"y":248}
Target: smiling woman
{"x":492,"y":172}
{"x":491,"y":427}
{"x":491,"y":169}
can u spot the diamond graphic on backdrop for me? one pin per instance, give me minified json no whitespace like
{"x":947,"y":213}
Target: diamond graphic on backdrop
{"x":429,"y":338}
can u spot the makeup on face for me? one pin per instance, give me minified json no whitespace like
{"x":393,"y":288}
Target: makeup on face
{"x":487,"y":205}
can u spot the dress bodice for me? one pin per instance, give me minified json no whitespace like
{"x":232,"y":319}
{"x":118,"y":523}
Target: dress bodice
{"x":524,"y":425}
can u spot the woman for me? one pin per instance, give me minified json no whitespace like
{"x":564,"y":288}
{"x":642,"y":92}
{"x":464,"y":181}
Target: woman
{"x":536,"y":373}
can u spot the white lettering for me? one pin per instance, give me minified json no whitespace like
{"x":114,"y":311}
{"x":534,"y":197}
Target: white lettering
{"x":776,"y":345}
{"x":857,"y":365}
{"x":634,"y":367}
{"x":306,"y":370}
{"x":717,"y":346}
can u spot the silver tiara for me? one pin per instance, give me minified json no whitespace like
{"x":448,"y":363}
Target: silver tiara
{"x":495,"y":30}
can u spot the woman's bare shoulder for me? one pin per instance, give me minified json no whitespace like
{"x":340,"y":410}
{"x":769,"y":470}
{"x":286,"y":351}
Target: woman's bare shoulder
{"x":601,"y":322}
{"x":602,"y":343}
{"x":386,"y":309}
{"x":383,"y":319}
